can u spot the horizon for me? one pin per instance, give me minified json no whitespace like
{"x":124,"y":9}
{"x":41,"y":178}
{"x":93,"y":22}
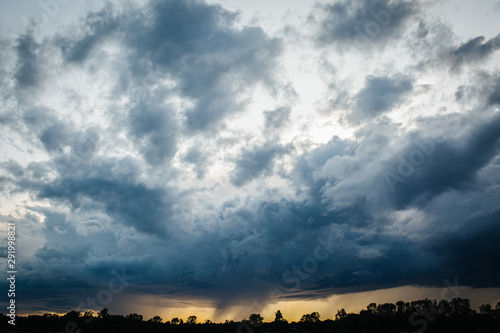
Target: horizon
{"x":326,"y":307}
{"x":266,"y":319}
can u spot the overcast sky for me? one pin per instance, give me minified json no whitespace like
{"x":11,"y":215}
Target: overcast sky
{"x":233,"y":156}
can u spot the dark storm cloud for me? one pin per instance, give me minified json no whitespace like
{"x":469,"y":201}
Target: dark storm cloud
{"x":179,"y":28}
{"x":256,"y":162}
{"x":283,"y":252}
{"x":14,"y":168}
{"x":28,"y":72}
{"x":473,"y":256}
{"x":54,"y":136}
{"x":363,"y":260}
{"x":98,"y":26}
{"x":363,"y":21}
{"x":494,"y":97}
{"x":419,"y":171}
{"x":198,"y":159}
{"x":447,"y":165}
{"x":57,"y":134}
{"x":63,"y":255}
{"x":155,"y":129}
{"x":213,"y":63}
{"x":89,"y":184}
{"x":474,"y":50}
{"x":110,"y":210}
{"x":263,"y":241}
{"x":135,"y":205}
{"x":380,"y":94}
{"x":451,"y":166}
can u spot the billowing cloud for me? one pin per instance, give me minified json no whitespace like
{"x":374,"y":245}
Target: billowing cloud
{"x":277,"y":118}
{"x":363,"y":21}
{"x":380,"y":94}
{"x":253,"y":163}
{"x":27,"y":73}
{"x":474,"y":50}
{"x":494,"y":97}
{"x":206,"y":155}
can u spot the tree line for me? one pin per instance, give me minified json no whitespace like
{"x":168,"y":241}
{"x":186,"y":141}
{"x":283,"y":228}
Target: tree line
{"x":425,"y":315}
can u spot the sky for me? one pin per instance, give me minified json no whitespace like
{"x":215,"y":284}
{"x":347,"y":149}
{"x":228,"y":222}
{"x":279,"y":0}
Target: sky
{"x":228,"y":157}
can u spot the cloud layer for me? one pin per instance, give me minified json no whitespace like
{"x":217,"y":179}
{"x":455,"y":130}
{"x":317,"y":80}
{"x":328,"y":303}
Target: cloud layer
{"x":171,"y":141}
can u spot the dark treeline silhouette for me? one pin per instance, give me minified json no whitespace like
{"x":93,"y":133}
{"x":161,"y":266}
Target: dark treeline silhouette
{"x":417,"y":316}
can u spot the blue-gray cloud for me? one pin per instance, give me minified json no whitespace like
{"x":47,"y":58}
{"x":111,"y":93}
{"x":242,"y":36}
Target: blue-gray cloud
{"x":474,"y":50}
{"x":380,"y":94}
{"x":28,"y":72}
{"x":277,"y":118}
{"x":363,"y":23}
{"x":253,"y":163}
{"x":494,"y":97}
{"x":150,"y":176}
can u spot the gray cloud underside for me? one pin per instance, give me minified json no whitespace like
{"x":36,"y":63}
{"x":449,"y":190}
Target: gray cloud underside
{"x":106,"y":215}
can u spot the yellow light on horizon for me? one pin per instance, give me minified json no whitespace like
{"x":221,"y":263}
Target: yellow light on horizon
{"x":292,"y":310}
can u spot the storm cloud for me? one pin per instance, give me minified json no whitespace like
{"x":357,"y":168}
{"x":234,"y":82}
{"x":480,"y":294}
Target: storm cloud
{"x":207,"y":155}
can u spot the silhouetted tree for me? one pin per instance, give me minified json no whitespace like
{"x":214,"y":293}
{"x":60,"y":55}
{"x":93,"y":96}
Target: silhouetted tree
{"x":134,"y":316}
{"x":372,"y":308}
{"x":255,"y":319}
{"x":340,"y":314}
{"x":485,"y":309}
{"x":460,"y":307}
{"x":156,"y":320}
{"x":425,"y":316}
{"x":73,"y":315}
{"x":401,"y":307}
{"x":88,"y":314}
{"x":386,"y":309}
{"x":50,"y":315}
{"x":310,"y":318}
{"x":191,"y":320}
{"x":103,"y":313}
{"x":280,"y":324}
{"x":279,"y":316}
